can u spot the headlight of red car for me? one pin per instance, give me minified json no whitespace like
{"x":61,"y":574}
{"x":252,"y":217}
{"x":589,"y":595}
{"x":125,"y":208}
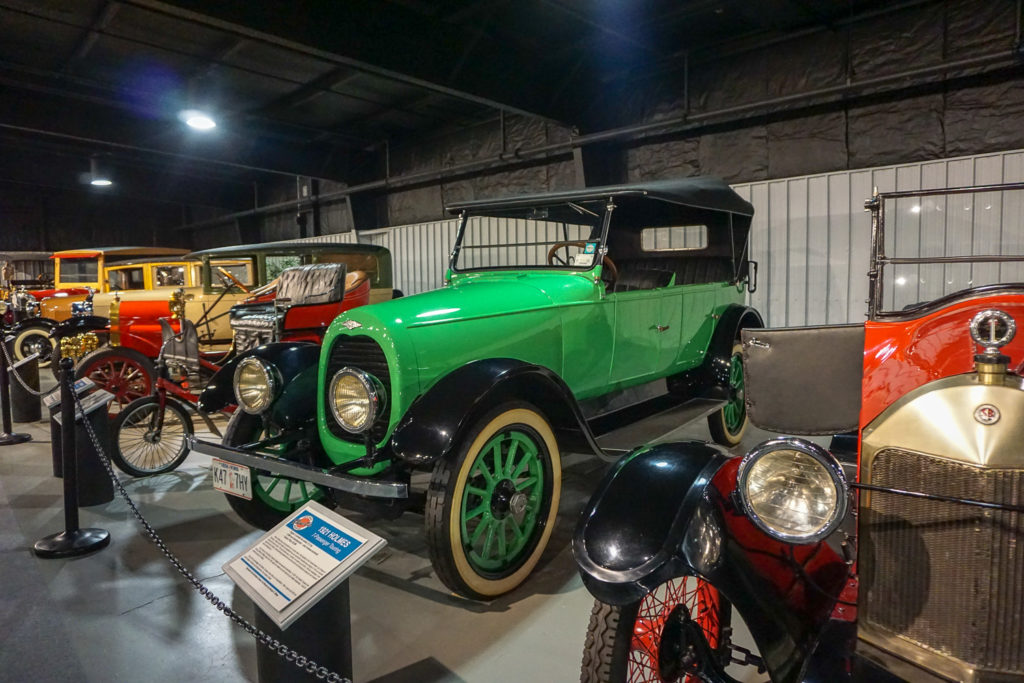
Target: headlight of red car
{"x":793,"y":490}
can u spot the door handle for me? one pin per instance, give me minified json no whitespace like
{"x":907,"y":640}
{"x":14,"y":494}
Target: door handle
{"x":661,"y":328}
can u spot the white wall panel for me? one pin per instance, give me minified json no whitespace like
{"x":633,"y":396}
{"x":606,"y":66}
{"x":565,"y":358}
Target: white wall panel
{"x":811,"y":235}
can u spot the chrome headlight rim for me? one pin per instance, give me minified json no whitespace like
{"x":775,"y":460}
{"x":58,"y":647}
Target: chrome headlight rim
{"x":374,"y":393}
{"x":271,"y":381}
{"x":823,"y":458}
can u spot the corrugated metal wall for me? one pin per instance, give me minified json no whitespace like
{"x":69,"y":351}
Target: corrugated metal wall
{"x":810,"y":237}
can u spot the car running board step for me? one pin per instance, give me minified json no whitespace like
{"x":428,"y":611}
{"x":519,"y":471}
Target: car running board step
{"x":658,"y":425}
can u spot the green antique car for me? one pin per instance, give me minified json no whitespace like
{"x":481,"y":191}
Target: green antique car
{"x":559,"y":313}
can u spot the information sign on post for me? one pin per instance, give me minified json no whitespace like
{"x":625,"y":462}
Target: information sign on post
{"x":292,"y":566}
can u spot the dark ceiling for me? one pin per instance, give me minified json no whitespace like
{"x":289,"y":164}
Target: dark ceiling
{"x":320,"y":88}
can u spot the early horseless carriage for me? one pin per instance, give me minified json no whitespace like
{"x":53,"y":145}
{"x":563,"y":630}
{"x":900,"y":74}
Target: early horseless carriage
{"x":539,"y":342}
{"x":150,"y":432}
{"x":897,"y":554}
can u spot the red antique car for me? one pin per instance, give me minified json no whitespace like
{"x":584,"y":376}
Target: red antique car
{"x":897,"y":553}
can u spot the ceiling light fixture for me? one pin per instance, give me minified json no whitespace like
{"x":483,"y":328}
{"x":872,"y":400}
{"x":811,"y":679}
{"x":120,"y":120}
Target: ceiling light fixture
{"x":197,"y":120}
{"x":98,"y":175}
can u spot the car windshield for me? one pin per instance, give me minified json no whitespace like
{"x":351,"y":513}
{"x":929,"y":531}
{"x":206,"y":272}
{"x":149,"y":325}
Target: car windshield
{"x":564,"y":235}
{"x":938,"y":244}
{"x":72,"y":270}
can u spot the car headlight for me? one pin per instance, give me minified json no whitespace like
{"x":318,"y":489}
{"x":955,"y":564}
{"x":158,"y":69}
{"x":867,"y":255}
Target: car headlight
{"x":256,"y":385}
{"x":355,"y":398}
{"x":793,"y":490}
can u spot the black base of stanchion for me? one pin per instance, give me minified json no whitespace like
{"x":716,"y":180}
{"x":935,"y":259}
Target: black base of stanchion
{"x":72,"y":543}
{"x":12,"y":439}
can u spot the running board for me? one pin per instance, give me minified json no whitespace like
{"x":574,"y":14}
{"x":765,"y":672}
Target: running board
{"x":657,"y":425}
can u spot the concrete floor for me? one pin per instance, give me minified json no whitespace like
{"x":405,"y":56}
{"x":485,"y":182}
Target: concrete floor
{"x":124,"y":614}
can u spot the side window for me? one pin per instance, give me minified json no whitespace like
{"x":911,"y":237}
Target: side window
{"x":126,"y":278}
{"x":275,"y":264}
{"x":168,"y":276}
{"x":674,"y":238}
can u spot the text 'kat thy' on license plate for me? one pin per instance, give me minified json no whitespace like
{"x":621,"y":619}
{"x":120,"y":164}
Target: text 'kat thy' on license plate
{"x":231,"y":478}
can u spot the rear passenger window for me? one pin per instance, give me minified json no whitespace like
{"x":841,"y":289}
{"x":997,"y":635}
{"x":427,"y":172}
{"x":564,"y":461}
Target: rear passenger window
{"x":674,"y":238}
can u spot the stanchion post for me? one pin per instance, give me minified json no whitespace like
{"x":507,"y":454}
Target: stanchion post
{"x":72,"y":541}
{"x":7,"y":437}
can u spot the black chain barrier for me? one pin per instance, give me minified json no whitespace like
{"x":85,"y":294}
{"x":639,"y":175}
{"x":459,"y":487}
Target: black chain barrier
{"x":267,"y":641}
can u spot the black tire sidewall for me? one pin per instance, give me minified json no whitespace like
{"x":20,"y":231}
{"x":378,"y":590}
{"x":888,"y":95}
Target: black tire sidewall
{"x":115,"y":452}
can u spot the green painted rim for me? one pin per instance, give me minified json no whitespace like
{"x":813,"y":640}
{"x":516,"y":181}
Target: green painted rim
{"x":283,"y":494}
{"x":502,"y":500}
{"x":735,"y":411}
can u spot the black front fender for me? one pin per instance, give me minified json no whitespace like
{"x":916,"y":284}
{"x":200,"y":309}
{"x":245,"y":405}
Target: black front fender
{"x":630,"y":532}
{"x":667,"y":511}
{"x":46,"y":323}
{"x":296,"y":364}
{"x":79,"y":324}
{"x":432,"y":424}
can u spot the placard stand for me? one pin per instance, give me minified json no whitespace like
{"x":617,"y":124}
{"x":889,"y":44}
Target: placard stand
{"x":73,"y":541}
{"x":323,"y":633}
{"x":296,"y":574}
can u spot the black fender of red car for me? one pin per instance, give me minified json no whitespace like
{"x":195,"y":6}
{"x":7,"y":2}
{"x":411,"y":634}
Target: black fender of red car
{"x":296,"y":366}
{"x":668,"y":510}
{"x":79,"y":324}
{"x":435,"y":421}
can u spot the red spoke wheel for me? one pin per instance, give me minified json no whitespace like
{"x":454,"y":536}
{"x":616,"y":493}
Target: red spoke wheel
{"x":125,"y":373}
{"x":646,"y":641}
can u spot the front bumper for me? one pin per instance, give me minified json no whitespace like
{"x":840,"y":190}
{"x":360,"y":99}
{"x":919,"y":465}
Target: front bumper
{"x":287,"y":468}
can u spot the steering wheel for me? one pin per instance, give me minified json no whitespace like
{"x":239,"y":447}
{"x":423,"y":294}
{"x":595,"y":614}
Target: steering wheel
{"x":609,"y":272}
{"x":228,"y":279}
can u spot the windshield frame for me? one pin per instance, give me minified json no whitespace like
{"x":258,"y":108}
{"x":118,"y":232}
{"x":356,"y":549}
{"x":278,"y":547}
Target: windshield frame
{"x":465,"y":215}
{"x":879,"y":261}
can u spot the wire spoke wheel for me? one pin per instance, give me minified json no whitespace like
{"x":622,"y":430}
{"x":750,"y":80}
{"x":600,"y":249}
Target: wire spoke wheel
{"x":148,"y":440}
{"x":33,"y":340}
{"x":651,"y":641}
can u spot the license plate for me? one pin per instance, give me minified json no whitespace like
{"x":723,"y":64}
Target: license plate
{"x":231,"y":478}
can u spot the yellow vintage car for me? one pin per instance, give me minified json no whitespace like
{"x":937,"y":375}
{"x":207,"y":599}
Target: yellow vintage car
{"x":111,"y":269}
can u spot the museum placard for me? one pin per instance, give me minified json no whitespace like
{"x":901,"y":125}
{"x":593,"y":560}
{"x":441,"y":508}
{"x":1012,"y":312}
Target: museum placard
{"x":300,"y":560}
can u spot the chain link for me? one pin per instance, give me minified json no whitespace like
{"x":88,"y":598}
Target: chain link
{"x":263,"y":638}
{"x":12,"y":371}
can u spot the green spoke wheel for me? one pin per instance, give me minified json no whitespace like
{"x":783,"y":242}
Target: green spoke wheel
{"x":491,"y":506}
{"x":728,"y":425}
{"x":273,"y":497}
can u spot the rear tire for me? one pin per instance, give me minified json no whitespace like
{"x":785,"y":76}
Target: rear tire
{"x":728,"y":425}
{"x":642,"y":641}
{"x":137,"y":451}
{"x":273,"y":497}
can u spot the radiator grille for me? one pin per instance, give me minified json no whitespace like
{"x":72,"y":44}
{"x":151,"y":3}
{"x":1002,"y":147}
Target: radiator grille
{"x":361,"y":353}
{"x":946,"y":576}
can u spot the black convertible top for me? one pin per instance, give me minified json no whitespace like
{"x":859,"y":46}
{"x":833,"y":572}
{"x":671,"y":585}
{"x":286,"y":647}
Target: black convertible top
{"x":289,"y":248}
{"x":703,"y":192}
